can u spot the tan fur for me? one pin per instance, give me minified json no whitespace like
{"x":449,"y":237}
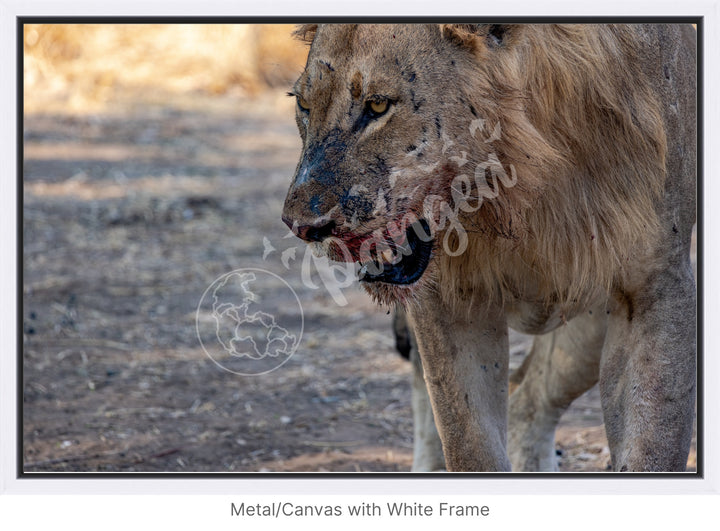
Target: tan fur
{"x":563,"y":143}
{"x":588,"y":139}
{"x":558,"y":160}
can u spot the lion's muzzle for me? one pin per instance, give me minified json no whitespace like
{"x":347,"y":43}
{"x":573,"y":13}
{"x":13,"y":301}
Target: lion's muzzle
{"x":398,"y":259}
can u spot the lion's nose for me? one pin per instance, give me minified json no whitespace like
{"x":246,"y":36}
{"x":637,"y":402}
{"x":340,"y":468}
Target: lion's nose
{"x":315,"y":232}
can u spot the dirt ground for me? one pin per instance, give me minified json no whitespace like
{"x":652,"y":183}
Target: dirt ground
{"x":129,"y":216}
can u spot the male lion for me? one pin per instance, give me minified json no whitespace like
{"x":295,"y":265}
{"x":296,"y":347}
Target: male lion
{"x":534,"y":176}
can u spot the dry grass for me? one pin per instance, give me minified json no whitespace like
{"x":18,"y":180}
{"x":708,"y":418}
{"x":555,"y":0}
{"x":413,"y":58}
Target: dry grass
{"x":81,"y":67}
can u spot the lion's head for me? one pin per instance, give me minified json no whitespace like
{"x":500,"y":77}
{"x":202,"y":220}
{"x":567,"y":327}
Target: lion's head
{"x":424,"y":145}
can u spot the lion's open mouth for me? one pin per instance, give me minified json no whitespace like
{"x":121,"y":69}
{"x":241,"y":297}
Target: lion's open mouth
{"x":401,"y":265}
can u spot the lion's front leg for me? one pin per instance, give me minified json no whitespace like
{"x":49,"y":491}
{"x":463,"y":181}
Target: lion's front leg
{"x":465,"y":358}
{"x":647,"y":374}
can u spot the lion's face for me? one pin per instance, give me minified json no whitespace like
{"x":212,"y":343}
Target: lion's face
{"x":374,"y":111}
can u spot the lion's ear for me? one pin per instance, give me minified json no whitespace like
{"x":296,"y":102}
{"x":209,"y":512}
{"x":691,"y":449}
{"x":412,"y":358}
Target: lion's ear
{"x":462,"y":35}
{"x":305,"y":32}
{"x":472,"y":36}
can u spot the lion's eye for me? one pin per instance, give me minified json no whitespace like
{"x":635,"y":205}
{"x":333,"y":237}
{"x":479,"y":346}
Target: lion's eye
{"x":379,"y":107}
{"x":304,"y":106}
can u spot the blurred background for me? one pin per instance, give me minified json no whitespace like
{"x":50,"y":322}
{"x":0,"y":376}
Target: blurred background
{"x":156,"y":160}
{"x":88,"y":67}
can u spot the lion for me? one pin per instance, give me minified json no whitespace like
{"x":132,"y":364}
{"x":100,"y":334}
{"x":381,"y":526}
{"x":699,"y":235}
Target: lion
{"x":539,"y":177}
